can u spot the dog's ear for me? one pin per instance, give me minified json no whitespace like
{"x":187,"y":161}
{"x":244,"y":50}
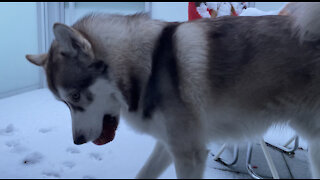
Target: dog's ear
{"x":38,"y":59}
{"x":71,"y":40}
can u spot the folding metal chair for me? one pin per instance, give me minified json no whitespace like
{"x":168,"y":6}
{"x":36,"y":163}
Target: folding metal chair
{"x":274,"y":172}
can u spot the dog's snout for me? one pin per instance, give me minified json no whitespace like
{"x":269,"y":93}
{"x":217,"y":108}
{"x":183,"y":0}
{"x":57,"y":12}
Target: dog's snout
{"x":80,"y":140}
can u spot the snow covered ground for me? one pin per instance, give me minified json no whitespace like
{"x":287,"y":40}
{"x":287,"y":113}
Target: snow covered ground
{"x":36,"y":142}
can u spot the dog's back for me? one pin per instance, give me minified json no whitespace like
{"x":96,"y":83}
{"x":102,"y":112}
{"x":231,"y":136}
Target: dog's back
{"x":247,"y":72}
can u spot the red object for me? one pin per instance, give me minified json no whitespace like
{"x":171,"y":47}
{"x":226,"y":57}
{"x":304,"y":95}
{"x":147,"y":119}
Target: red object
{"x":192,"y":11}
{"x":210,"y":11}
{"x":108,"y":133}
{"x":234,"y":13}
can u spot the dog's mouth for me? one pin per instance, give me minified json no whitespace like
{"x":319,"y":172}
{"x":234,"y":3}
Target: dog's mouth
{"x":110,"y":124}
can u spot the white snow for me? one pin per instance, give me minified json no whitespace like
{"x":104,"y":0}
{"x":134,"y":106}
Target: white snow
{"x":36,"y":142}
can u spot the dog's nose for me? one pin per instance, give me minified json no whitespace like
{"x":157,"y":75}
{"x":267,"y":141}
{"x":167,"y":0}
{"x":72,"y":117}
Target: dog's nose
{"x":80,"y":140}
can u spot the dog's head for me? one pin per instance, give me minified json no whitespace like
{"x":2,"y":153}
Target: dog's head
{"x":82,"y":82}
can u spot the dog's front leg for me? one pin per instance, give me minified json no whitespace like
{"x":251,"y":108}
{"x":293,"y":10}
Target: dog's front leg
{"x":190,"y":164}
{"x":158,"y":161}
{"x":314,"y":158}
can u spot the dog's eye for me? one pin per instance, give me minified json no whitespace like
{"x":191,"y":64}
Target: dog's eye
{"x":75,"y":97}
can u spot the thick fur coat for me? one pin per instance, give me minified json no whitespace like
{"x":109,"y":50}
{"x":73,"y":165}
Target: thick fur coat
{"x":189,"y":83}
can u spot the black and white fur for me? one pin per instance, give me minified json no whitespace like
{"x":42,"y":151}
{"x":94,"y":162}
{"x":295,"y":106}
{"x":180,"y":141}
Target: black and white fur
{"x":187,"y":84}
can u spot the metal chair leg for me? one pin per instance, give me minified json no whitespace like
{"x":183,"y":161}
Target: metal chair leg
{"x":248,"y":163}
{"x":268,"y":157}
{"x":223,"y":162}
{"x":284,"y":148}
{"x":270,"y":162}
{"x":250,"y":170}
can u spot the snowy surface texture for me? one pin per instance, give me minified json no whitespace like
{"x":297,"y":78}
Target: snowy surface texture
{"x":36,"y":142}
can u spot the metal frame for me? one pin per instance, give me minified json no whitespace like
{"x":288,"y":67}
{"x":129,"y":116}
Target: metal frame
{"x":248,"y":163}
{"x":284,"y":149}
{"x":224,"y":162}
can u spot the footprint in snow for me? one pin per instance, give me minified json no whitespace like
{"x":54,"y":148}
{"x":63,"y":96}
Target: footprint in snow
{"x":96,"y":156}
{"x":88,"y":177}
{"x":8,"y":130}
{"x":33,"y":158}
{"x":16,"y":146}
{"x":69,"y":164}
{"x":50,"y":173}
{"x":72,"y":150}
{"x":45,"y":130}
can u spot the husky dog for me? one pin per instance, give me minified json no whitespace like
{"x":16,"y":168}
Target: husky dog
{"x":188,"y":83}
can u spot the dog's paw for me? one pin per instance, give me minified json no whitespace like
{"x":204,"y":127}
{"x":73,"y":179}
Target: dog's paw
{"x":33,"y":158}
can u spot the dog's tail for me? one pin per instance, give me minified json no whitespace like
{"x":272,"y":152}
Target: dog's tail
{"x":307,"y":19}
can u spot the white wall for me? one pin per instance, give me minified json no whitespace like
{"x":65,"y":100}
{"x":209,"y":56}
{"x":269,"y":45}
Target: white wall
{"x":18,"y":34}
{"x":170,"y":11}
{"x":269,"y":6}
{"x":167,"y":11}
{"x":82,"y":8}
